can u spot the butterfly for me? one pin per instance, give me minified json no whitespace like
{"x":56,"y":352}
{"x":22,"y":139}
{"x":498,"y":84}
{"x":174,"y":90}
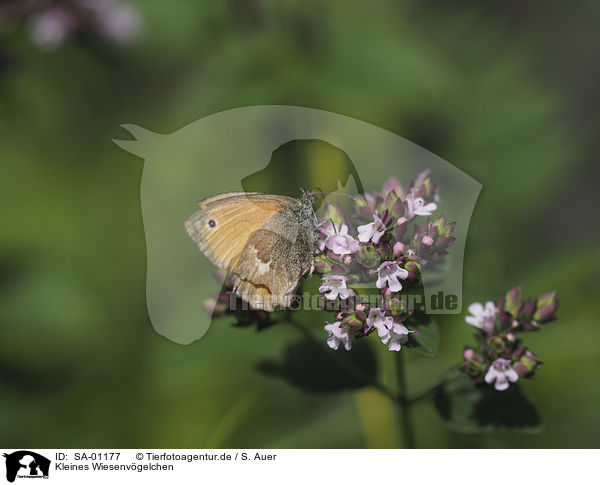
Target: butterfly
{"x":265,"y":241}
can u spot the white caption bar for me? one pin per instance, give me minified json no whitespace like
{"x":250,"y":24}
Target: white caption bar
{"x":56,"y":466}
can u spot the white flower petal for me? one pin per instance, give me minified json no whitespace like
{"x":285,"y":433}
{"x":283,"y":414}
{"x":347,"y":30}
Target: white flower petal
{"x":471,"y":320}
{"x":491,"y":375}
{"x":490,"y":308}
{"x":402,"y":273}
{"x":393,"y":284}
{"x":512,"y":375}
{"x":395,"y":345}
{"x":476,"y":309}
{"x":501,"y":383}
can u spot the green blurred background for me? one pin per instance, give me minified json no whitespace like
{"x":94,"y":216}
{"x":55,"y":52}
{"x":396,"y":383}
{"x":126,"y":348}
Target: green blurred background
{"x":506,"y":91}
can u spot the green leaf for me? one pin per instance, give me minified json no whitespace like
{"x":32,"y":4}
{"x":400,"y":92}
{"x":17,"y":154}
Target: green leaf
{"x":470,"y":408}
{"x":427,"y":341}
{"x":317,"y":368}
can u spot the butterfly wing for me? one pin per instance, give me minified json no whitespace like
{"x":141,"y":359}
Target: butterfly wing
{"x":260,"y":239}
{"x":225,"y":223}
{"x":276,"y":258}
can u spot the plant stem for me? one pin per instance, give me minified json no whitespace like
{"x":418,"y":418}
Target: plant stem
{"x":408,"y":431}
{"x":401,"y":397}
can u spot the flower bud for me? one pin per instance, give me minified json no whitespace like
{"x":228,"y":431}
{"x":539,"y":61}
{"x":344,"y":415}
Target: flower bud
{"x":474,"y":365}
{"x":397,"y":249}
{"x":427,"y":240}
{"x":546,"y":314}
{"x":365,"y":213}
{"x":390,"y":199}
{"x":442,"y":242}
{"x":505,"y":319}
{"x":392,"y":184}
{"x":397,"y":210}
{"x":354,"y":323}
{"x":499,"y":346}
{"x":527,"y":363}
{"x":412,"y":267}
{"x":528,"y":308}
{"x":352,"y":320}
{"x":546,"y":307}
{"x":512,"y":301}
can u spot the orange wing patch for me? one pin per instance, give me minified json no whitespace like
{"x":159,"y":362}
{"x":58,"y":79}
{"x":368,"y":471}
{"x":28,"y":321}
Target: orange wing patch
{"x":225,"y":223}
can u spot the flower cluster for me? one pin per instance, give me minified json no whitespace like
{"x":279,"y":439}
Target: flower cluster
{"x":370,"y":247}
{"x":501,"y":357}
{"x":52,"y":23}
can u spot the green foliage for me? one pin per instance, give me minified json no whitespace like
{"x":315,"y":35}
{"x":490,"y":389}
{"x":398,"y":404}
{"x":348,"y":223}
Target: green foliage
{"x":480,"y":408}
{"x":313,"y":367}
{"x":427,"y":340}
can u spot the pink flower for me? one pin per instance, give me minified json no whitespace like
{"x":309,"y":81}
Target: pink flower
{"x":372,"y":231}
{"x":416,"y":206}
{"x":502,"y":372}
{"x":388,"y":273}
{"x":481,"y":317}
{"x":337,"y":335}
{"x":336,"y":286}
{"x":391,"y":333}
{"x":327,"y":229}
{"x":51,"y":27}
{"x":120,"y":23}
{"x":341,"y":243}
{"x":427,"y":240}
{"x":377,"y":319}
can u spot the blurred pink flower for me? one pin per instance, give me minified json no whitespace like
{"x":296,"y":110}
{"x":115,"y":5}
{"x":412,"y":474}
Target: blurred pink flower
{"x":482,"y":317}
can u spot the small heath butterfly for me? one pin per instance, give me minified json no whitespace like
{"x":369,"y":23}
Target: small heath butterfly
{"x":265,"y":241}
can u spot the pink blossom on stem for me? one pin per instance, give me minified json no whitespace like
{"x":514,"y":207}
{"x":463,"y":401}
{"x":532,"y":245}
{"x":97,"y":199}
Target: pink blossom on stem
{"x":334,"y":286}
{"x":372,"y":231}
{"x":337,"y":335}
{"x":388,"y":274}
{"x":501,"y":372}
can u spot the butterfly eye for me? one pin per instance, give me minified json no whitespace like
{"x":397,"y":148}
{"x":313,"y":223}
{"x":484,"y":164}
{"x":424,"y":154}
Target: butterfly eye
{"x":212,"y":223}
